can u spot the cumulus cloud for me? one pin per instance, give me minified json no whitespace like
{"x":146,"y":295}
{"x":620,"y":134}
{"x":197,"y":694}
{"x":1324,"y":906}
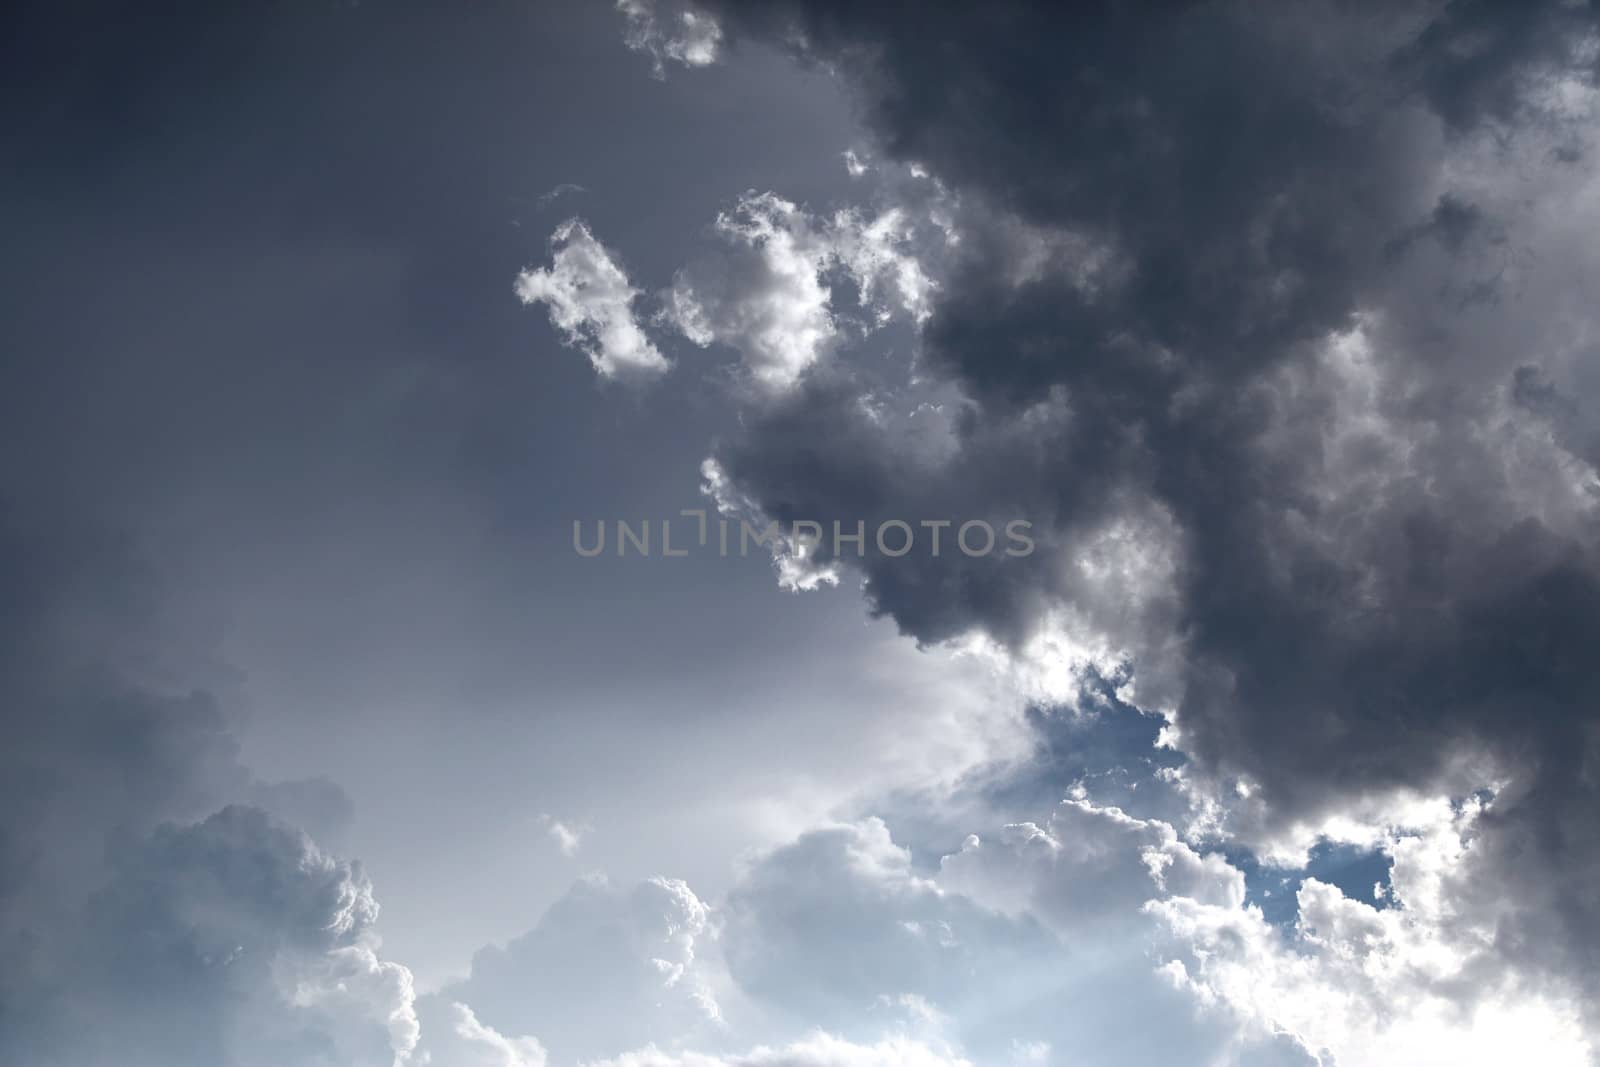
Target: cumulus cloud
{"x":1421,"y":981}
{"x":843,"y":920}
{"x":455,"y":1038}
{"x":1089,"y":934}
{"x":1085,"y":864}
{"x":590,"y":301}
{"x":1278,"y":325}
{"x":1098,"y":937}
{"x":604,"y":971}
{"x":229,"y":941}
{"x":139,"y":923}
{"x":831,"y":924}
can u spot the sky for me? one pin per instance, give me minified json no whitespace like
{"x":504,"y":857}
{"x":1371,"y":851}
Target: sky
{"x":1262,"y":730}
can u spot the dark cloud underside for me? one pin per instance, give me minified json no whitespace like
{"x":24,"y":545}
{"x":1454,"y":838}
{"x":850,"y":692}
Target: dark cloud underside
{"x":1232,"y":188}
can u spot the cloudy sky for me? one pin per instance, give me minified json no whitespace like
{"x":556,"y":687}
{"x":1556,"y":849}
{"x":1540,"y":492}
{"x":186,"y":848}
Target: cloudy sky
{"x":1261,"y":339}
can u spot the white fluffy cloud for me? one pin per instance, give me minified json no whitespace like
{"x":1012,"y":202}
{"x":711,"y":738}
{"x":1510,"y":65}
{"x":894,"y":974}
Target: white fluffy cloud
{"x":1102,"y":938}
{"x":590,"y":300}
{"x":1091,"y":936}
{"x":1421,"y":982}
{"x":770,"y":292}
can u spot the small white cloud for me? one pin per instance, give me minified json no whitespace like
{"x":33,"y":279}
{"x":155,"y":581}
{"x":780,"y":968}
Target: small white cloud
{"x":567,"y":838}
{"x":591,"y":301}
{"x":677,"y":32}
{"x":768,"y":294}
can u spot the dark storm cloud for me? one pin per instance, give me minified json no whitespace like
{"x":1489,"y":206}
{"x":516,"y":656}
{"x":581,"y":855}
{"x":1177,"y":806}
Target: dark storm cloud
{"x":1371,"y":589}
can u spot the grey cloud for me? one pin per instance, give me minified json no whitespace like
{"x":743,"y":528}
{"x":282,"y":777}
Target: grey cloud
{"x":1094,"y":936}
{"x":230,"y":941}
{"x":605,"y":970}
{"x":453,"y":1036}
{"x":100,"y":740}
{"x":1476,"y":58}
{"x":1032,"y":937}
{"x":128,"y":933}
{"x":826,"y":926}
{"x":1574,"y":426}
{"x":90,"y":749}
{"x":1085,"y":864}
{"x":237,"y":882}
{"x":1268,"y":296}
